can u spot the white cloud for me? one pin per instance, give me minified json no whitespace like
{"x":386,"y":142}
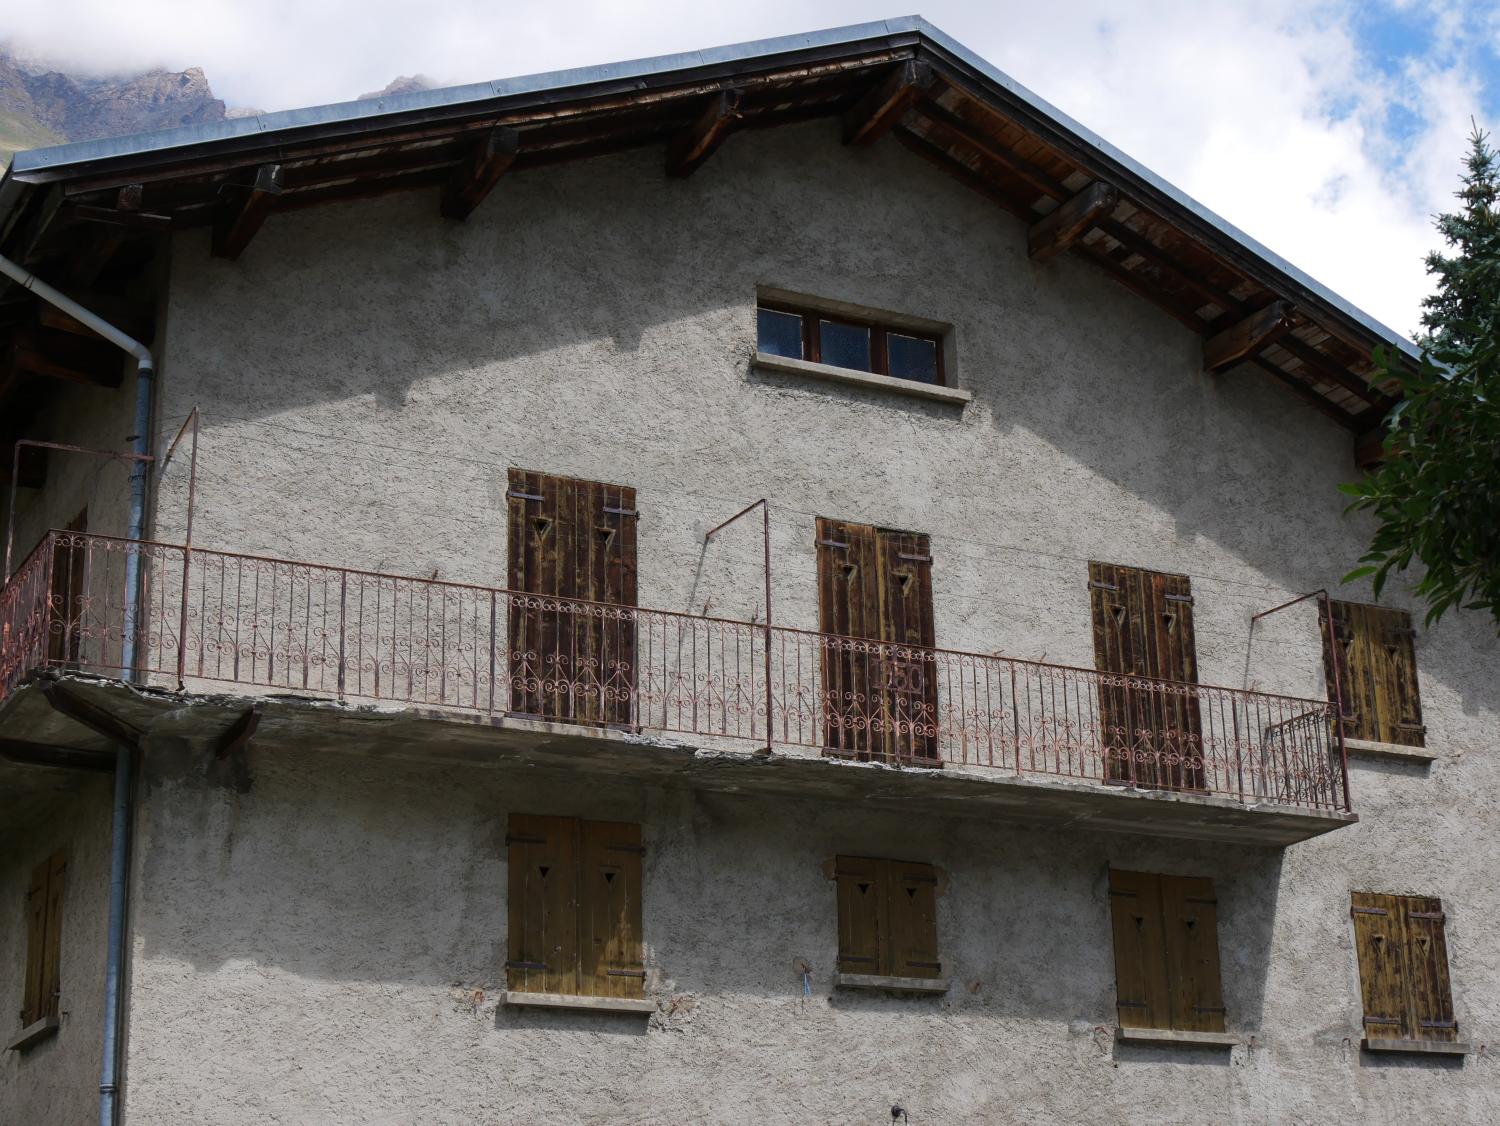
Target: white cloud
{"x":1264,"y":110}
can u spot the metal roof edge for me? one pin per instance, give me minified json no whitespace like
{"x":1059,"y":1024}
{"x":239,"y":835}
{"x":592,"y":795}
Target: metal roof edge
{"x":82,"y":152}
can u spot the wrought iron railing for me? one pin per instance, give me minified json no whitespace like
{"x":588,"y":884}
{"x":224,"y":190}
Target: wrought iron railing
{"x":218,"y":617}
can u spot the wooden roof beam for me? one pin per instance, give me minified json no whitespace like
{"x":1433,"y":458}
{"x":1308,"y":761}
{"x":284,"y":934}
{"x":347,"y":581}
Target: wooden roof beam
{"x":60,"y":355}
{"x":883,"y":104}
{"x":239,"y":224}
{"x":698,"y":141}
{"x":480,"y":172}
{"x":1240,"y":341}
{"x":1056,"y":231}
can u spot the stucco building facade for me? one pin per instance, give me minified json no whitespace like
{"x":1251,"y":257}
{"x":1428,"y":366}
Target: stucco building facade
{"x":330,"y":756}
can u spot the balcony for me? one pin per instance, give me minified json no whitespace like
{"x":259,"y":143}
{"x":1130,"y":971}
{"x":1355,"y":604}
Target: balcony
{"x":564,"y":681}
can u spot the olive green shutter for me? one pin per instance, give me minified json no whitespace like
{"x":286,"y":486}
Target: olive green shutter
{"x":1190,"y":928}
{"x":1427,"y":957}
{"x":543,"y":904}
{"x":609,"y":932}
{"x":912,"y":909}
{"x":1143,"y":997}
{"x":36,"y":937}
{"x":861,"y":915}
{"x":1380,"y":945}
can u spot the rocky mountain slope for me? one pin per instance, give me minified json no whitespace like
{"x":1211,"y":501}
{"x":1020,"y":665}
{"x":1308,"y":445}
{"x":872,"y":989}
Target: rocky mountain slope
{"x":41,"y":105}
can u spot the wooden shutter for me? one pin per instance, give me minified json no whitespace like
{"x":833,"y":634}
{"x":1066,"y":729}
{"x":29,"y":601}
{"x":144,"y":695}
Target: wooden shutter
{"x":542,"y":904}
{"x":1427,"y":958}
{"x":1381,"y":948}
{"x":862,"y":909}
{"x":1403,"y":967}
{"x":36,"y":933}
{"x":1141,"y":988}
{"x":912,"y":910}
{"x":1377,"y":672}
{"x":1190,"y":928}
{"x":572,"y":539}
{"x":609,"y":931}
{"x":1143,"y":627}
{"x":875,"y":584}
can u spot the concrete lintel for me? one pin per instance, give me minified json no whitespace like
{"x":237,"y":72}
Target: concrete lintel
{"x":1398,"y":752}
{"x":33,"y":1033}
{"x":639,"y":1005}
{"x":1421,"y":1047}
{"x":928,"y":985}
{"x":1173,"y":1037}
{"x":786,"y":365}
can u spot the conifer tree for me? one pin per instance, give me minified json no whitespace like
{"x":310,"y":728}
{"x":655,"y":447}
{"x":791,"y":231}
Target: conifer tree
{"x":1436,"y":492}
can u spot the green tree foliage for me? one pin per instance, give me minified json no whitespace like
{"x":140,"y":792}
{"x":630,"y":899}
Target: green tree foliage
{"x":1436,"y":493}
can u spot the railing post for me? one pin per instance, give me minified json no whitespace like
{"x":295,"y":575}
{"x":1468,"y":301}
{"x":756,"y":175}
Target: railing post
{"x":1015,"y":716}
{"x":182,"y":621}
{"x":343,"y":626}
{"x":492,"y":651}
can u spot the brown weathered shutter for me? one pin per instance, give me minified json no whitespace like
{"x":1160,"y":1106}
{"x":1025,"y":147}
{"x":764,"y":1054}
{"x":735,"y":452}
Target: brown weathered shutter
{"x":1141,"y":988}
{"x":36,"y":941}
{"x":51,"y":994}
{"x":542,"y":904}
{"x":1143,"y":627}
{"x":1190,"y":928}
{"x":1379,"y":942}
{"x":912,"y":909}
{"x":875,"y":584}
{"x":1377,"y":673}
{"x":1393,"y":673}
{"x":1431,"y":1014}
{"x":572,"y":539}
{"x":862,"y":911}
{"x":609,"y":930}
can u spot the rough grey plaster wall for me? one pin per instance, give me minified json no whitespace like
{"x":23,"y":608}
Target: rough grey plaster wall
{"x":57,"y":1080}
{"x":328,"y":946}
{"x":367,"y":372}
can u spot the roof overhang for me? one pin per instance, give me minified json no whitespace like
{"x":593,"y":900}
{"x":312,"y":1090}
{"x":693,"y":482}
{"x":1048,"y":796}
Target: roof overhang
{"x":902,"y":77}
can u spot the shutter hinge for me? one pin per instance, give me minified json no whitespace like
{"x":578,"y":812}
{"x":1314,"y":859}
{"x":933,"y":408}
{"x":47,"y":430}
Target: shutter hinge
{"x":620,"y":511}
{"x":509,"y":840}
{"x":1188,"y":598}
{"x":1437,"y":1024}
{"x":1210,"y":902}
{"x":914,"y":558}
{"x":1368,"y":911}
{"x":626,"y":973}
{"x":1437,"y":915}
{"x":516,"y":495}
{"x":1130,"y":1004}
{"x":926,"y":965}
{"x":1382,"y":1020}
{"x":833,"y":543}
{"x":854,"y":958}
{"x":1209,"y":1009}
{"x":639,"y":850}
{"x":525,"y":965}
{"x":1094,"y":584}
{"x":1131,"y":894}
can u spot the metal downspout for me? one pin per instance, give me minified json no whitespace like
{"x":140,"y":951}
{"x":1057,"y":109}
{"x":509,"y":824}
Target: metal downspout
{"x":125,"y":757}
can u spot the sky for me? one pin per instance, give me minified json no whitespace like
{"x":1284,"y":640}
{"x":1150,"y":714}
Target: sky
{"x":1331,"y":131}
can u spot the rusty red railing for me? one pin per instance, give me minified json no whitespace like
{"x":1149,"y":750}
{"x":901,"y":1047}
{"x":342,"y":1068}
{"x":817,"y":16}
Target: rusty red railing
{"x":219,"y":617}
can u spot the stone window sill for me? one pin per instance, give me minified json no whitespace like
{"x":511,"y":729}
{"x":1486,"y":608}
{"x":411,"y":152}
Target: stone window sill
{"x":1176,"y":1038}
{"x":788,"y":366}
{"x":642,"y":1005}
{"x":33,"y":1033}
{"x":1398,"y":752}
{"x":884,"y":982}
{"x":1425,"y":1047}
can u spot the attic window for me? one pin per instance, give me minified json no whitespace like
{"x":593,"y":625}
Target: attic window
{"x":849,"y":341}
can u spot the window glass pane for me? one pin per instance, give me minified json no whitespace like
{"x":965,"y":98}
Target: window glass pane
{"x":844,"y":346}
{"x":780,"y":334}
{"x":911,"y":357}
